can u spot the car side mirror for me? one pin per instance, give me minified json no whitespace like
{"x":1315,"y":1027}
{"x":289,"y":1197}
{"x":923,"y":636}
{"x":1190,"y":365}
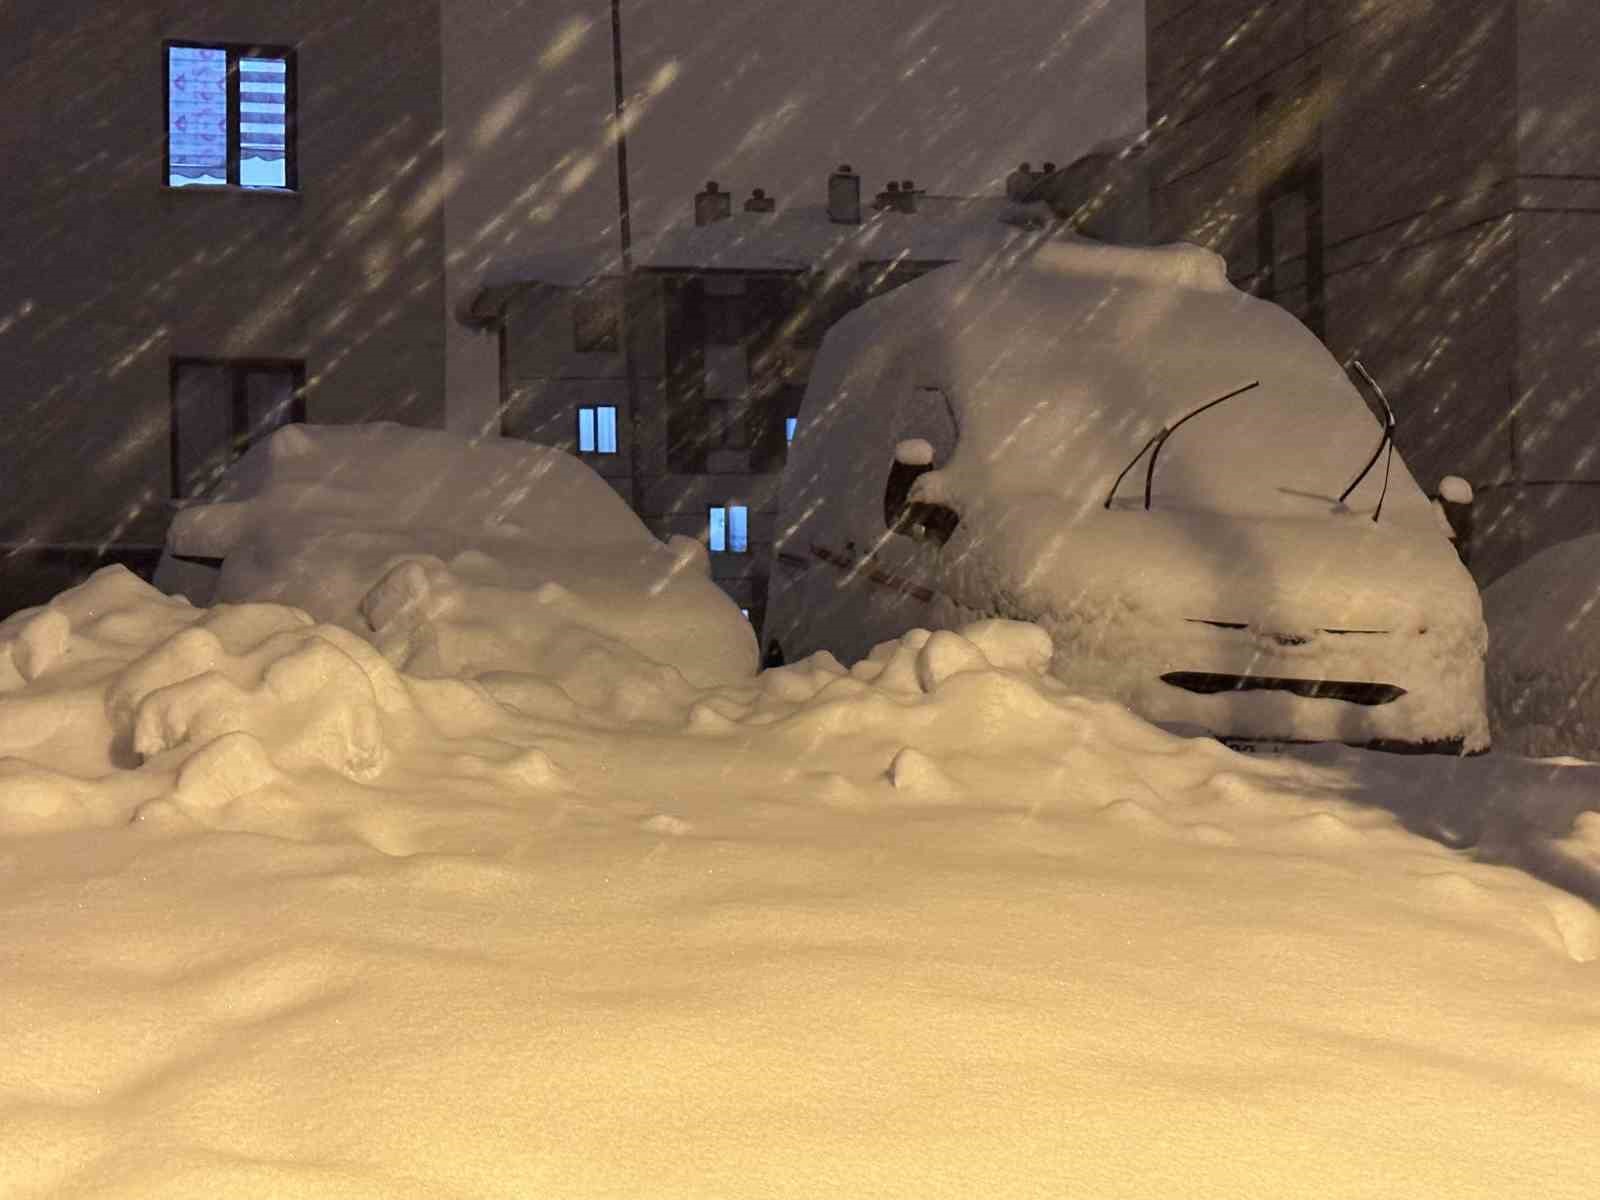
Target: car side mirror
{"x":913,"y":458}
{"x":925,"y":522}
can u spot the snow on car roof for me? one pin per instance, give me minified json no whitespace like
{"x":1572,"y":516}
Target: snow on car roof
{"x":391,"y":476}
{"x":1063,"y":358}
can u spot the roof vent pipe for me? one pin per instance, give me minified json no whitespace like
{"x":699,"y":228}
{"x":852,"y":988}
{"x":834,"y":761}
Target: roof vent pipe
{"x":1019,"y":184}
{"x":844,"y":196}
{"x":713,"y":204}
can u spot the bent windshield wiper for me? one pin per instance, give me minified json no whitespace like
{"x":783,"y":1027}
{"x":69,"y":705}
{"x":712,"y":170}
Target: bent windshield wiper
{"x":1160,"y":438}
{"x":1386,"y":440}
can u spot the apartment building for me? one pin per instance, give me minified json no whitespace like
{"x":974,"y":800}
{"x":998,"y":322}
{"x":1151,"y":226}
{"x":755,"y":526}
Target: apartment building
{"x":723,"y":317}
{"x":1419,"y":181}
{"x":219,"y":217}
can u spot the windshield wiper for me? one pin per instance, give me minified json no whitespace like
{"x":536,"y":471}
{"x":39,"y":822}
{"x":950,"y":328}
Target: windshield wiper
{"x":1386,"y":440}
{"x":1159,"y":440}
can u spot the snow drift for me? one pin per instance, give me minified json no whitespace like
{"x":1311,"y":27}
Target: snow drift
{"x":279,"y":917}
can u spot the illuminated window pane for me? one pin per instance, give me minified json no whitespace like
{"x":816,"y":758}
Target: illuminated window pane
{"x":586,"y":439}
{"x":790,"y":424}
{"x":718,"y":531}
{"x":738,"y":529}
{"x":263,"y":122}
{"x":197,"y":116}
{"x":606,"y":436}
{"x":230,"y":116}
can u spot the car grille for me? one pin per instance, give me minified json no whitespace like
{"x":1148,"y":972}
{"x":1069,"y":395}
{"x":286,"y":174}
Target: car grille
{"x":1208,"y":683}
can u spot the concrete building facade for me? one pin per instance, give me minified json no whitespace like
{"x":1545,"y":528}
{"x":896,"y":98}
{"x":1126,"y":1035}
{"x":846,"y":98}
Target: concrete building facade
{"x":150,"y":329}
{"x":124,"y":294}
{"x":1419,"y":181}
{"x":723,"y":322}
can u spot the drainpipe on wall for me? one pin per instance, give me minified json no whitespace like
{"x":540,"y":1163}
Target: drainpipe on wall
{"x":625,"y":233}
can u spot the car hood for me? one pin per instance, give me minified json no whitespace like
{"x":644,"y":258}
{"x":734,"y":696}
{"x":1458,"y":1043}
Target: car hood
{"x":1285,"y":576}
{"x":470,"y":606}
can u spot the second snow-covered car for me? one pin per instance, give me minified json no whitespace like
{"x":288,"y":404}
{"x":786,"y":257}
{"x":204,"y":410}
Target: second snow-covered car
{"x":1176,"y":480}
{"x":457,"y":557}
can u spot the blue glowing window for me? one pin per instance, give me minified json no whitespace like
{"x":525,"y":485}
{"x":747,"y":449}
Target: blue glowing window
{"x":717,"y":529}
{"x":230,"y":116}
{"x":597,"y":430}
{"x":790,"y":424}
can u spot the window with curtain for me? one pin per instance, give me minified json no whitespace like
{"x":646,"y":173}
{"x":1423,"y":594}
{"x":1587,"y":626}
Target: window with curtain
{"x":230,"y":116}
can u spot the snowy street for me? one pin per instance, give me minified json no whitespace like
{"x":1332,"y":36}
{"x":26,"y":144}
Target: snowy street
{"x":928,"y":927}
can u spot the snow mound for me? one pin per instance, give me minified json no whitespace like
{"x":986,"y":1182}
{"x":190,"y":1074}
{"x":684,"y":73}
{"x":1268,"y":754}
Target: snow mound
{"x":881,"y":923}
{"x":456,"y":557}
{"x":1544,"y":653}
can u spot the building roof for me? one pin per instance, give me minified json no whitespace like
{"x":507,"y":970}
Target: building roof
{"x":794,"y":239}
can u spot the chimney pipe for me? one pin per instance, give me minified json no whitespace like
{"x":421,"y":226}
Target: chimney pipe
{"x":712,"y":204}
{"x":844,"y":196}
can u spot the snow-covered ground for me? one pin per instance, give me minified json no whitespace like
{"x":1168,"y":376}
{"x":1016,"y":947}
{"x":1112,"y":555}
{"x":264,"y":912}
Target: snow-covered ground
{"x":280,"y":918}
{"x":1544,"y":652}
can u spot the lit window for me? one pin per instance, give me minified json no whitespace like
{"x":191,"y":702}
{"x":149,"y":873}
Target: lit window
{"x":790,"y":424}
{"x":728,"y":529}
{"x":597,"y":430}
{"x":230,"y":116}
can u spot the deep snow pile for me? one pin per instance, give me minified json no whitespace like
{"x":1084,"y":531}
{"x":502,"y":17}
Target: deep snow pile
{"x":458,"y":557}
{"x":278,"y":918}
{"x":1544,"y":652}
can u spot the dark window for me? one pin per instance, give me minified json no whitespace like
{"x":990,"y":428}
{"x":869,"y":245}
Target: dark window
{"x":220,"y":407}
{"x":1290,"y":266}
{"x":597,"y":319}
{"x":724,"y":318}
{"x":230,"y":116}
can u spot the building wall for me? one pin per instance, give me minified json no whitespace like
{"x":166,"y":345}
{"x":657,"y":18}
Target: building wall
{"x":759,"y":93}
{"x":781,"y":317}
{"x":109,"y":273}
{"x":1459,"y":162}
{"x":547,"y":379}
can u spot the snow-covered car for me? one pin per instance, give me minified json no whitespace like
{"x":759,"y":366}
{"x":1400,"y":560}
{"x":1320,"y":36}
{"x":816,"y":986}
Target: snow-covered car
{"x":1176,"y":480}
{"x":455,"y":557}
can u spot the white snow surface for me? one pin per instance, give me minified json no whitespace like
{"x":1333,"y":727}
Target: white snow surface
{"x":1544,"y":652}
{"x":1037,"y":375}
{"x":280,"y":918}
{"x":1455,"y":489}
{"x":460,"y":558}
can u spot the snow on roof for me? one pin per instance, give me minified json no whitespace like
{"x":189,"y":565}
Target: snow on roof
{"x":797,"y":238}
